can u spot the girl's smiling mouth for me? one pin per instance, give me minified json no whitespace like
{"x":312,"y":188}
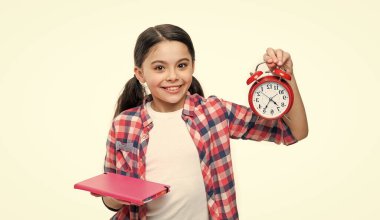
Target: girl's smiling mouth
{"x":172,"y":89}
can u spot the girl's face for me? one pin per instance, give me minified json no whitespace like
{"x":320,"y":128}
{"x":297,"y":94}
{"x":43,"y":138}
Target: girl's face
{"x":167,"y":71}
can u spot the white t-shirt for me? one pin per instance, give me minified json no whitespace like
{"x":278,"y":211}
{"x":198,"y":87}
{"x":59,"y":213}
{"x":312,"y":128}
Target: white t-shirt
{"x":172,"y":158}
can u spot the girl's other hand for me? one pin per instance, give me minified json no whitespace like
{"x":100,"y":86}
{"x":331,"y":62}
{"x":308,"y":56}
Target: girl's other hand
{"x":113,"y":200}
{"x":278,"y":58}
{"x":121,"y":202}
{"x":96,"y":195}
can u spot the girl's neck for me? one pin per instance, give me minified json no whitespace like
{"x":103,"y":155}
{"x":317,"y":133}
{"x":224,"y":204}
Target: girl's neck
{"x":167,"y":107}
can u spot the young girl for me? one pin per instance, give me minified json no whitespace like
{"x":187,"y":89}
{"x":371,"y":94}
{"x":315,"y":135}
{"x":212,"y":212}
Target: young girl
{"x":177,"y":137}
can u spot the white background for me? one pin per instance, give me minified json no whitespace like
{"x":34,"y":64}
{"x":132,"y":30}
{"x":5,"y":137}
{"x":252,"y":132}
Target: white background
{"x":63,"y":64}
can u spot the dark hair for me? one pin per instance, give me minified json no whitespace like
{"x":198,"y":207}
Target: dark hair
{"x":133,"y":93}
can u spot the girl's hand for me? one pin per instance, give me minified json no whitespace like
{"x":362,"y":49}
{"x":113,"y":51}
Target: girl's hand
{"x":113,"y":200}
{"x":119,"y":201}
{"x":122,"y":202}
{"x":278,"y":58}
{"x":96,"y":195}
{"x":296,"y":117}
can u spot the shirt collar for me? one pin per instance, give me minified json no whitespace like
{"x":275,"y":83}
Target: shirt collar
{"x":188,"y":107}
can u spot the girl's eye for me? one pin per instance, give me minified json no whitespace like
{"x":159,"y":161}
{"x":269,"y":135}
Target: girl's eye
{"x":159,"y":68}
{"x":182,"y":65}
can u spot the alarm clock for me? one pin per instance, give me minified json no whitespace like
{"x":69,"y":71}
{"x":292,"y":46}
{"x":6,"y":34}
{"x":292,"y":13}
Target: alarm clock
{"x":270,"y":95}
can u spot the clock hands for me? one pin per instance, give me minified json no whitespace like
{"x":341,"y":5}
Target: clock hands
{"x":265,"y":108}
{"x":265,"y":95}
{"x":270,"y":99}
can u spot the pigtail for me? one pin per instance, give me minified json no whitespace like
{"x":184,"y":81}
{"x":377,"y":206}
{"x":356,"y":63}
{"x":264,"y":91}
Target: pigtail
{"x":196,"y":87}
{"x":132,"y":96}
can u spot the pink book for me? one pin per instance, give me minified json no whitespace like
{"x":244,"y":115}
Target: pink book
{"x":124,"y":188}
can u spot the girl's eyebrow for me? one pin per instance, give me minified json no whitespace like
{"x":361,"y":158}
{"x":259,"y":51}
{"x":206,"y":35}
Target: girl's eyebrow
{"x":161,"y":61}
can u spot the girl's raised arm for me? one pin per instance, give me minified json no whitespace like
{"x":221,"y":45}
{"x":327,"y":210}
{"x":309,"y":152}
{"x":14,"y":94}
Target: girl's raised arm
{"x":296,"y":117}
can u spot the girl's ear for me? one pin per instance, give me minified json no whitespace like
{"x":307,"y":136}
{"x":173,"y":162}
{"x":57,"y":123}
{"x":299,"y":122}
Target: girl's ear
{"x":139,"y":74}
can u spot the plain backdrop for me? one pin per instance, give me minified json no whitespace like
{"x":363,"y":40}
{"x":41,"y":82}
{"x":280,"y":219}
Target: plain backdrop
{"x":64,"y":63}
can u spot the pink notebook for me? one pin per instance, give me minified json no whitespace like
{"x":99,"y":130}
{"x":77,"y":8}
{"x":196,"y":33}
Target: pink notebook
{"x":124,"y":188}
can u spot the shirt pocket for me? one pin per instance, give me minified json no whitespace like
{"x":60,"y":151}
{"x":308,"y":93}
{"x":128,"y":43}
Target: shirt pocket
{"x":126,"y":156}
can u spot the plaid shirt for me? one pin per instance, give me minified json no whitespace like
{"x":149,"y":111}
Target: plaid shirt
{"x":211,"y":123}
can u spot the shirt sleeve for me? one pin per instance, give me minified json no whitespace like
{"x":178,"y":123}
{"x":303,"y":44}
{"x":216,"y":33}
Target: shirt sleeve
{"x":110,"y":158}
{"x":110,"y":167}
{"x":244,"y":124}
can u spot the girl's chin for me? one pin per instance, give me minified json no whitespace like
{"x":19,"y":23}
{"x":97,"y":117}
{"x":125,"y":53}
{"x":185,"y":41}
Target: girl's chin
{"x":172,"y":90}
{"x":171,"y":100}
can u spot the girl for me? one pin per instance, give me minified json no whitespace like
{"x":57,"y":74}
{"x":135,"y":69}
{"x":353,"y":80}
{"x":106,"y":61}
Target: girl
{"x":187,"y":134}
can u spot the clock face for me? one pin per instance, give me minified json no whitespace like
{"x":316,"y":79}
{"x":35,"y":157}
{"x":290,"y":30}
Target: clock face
{"x":270,"y":99}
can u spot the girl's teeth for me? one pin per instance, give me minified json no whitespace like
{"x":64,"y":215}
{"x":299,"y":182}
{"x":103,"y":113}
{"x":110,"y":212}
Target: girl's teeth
{"x":172,"y":88}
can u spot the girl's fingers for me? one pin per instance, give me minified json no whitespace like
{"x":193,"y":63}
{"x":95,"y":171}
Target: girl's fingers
{"x":96,"y":195}
{"x":279,"y":55}
{"x":278,"y":58}
{"x":286,"y":57}
{"x":125,"y":203}
{"x":271,"y":53}
{"x":267,"y":59}
{"x":121,"y":202}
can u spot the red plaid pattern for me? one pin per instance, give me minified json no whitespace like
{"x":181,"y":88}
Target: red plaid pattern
{"x":211,"y":123}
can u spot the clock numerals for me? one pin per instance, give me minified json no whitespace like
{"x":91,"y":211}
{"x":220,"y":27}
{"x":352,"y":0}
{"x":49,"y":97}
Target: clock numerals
{"x":270,"y":99}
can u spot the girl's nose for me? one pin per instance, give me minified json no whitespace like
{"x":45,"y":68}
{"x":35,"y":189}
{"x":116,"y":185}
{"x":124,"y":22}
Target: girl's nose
{"x":172,"y":75}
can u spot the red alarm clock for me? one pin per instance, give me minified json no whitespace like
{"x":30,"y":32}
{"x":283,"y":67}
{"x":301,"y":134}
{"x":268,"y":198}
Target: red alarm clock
{"x":270,"y":96}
